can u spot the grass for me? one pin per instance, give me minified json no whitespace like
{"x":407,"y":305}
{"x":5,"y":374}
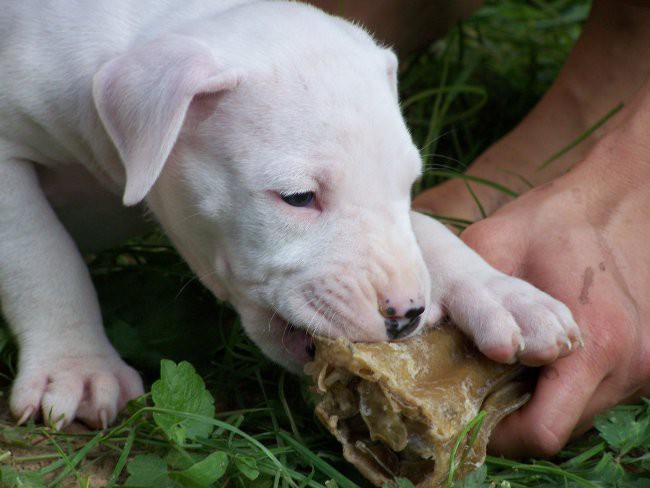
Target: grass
{"x":255,"y":428}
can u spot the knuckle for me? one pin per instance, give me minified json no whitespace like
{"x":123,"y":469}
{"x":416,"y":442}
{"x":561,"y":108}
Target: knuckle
{"x":480,"y":235}
{"x":497,"y":241}
{"x":644,"y":368}
{"x":608,"y":346}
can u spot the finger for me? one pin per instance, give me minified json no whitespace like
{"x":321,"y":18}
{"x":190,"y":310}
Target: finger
{"x":609,"y":394}
{"x":544,"y":425}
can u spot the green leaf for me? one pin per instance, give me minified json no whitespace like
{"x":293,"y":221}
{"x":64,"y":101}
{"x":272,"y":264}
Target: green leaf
{"x":205,"y":472}
{"x":475,"y":479}
{"x":179,"y":460}
{"x":644,"y":462}
{"x":247,"y":466}
{"x":5,"y":339}
{"x":261,"y":482}
{"x":636,"y":483}
{"x":11,"y":478}
{"x":180,"y":388}
{"x":404,"y":483}
{"x":608,"y":471}
{"x":621,"y":429}
{"x":147,"y":471}
{"x":401,"y":483}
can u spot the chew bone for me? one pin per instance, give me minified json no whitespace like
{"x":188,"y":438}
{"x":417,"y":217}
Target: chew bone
{"x":398,"y":408}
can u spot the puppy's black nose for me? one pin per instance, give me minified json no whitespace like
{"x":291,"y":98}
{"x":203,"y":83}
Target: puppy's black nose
{"x":399,"y":327}
{"x":414,"y":312}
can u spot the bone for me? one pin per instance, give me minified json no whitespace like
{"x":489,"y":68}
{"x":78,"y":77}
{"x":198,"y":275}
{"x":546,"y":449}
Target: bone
{"x":398,"y":408}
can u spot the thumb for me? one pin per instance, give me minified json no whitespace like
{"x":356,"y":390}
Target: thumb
{"x":544,"y":425}
{"x":499,"y":241}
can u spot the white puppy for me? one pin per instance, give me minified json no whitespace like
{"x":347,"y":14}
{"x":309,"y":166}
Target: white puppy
{"x":266,"y":139}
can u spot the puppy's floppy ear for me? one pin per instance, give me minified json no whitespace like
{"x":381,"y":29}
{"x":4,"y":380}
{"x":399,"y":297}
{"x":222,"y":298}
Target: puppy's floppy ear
{"x":142,"y":98}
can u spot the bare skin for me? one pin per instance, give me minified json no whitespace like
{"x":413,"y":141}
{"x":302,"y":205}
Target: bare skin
{"x":583,"y":239}
{"x":604,"y":69}
{"x":403,"y":27}
{"x":581,"y":236}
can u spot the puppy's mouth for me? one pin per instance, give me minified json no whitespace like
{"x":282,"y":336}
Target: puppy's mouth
{"x":295,"y":340}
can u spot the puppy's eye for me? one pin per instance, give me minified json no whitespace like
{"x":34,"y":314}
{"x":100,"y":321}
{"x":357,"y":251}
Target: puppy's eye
{"x":299,"y":199}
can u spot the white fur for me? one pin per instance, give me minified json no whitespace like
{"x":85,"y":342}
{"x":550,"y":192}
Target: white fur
{"x":209,"y":110}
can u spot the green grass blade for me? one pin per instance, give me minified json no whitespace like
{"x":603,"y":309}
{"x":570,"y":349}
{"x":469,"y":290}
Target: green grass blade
{"x":447,"y":218}
{"x":585,"y":456}
{"x":443,"y":90}
{"x":581,"y":137}
{"x":71,"y":463}
{"x":476,"y":179}
{"x":287,"y":410}
{"x":317,"y":462}
{"x":518,"y":176}
{"x":535,"y":468}
{"x":121,"y":462}
{"x":476,"y":422}
{"x":234,"y":430}
{"x":475,"y":198}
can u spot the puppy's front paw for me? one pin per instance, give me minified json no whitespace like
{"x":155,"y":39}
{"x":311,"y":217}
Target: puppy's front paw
{"x":510,"y":319}
{"x":91,"y":388}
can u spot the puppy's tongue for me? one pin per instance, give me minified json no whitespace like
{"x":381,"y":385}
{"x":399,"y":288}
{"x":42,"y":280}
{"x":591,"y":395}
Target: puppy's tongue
{"x":299,"y":344}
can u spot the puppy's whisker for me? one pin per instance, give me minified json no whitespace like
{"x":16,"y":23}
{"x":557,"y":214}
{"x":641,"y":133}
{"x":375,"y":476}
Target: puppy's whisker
{"x":284,"y":333}
{"x":311,"y":324}
{"x":335,"y":314}
{"x":436,"y":139}
{"x":201,"y":277}
{"x":192,"y":280}
{"x":441,"y":167}
{"x":288,"y":325}
{"x":190,"y":216}
{"x":276,"y":309}
{"x":306,"y":304}
{"x":275,"y":312}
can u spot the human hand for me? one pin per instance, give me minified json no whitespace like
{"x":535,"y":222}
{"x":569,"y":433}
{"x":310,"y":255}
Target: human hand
{"x":583,"y":239}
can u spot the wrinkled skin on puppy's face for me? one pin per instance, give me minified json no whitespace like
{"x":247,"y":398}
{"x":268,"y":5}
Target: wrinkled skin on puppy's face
{"x":289,"y":196}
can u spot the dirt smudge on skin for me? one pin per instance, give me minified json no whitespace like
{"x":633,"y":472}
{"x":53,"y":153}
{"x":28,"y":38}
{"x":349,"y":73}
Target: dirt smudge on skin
{"x":550,"y":373}
{"x":587,"y":281}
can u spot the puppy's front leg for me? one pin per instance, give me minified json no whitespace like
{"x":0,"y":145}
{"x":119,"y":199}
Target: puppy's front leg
{"x":507,"y":318}
{"x":67,"y":367}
